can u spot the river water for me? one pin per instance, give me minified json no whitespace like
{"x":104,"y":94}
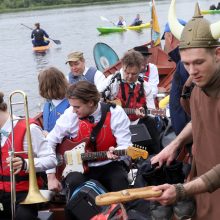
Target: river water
{"x":76,"y":28}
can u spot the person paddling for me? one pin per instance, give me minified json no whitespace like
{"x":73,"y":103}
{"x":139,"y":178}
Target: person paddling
{"x":38,"y":35}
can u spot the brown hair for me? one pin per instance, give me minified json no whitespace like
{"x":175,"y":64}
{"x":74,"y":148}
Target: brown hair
{"x":37,"y":25}
{"x":3,"y":105}
{"x":132,"y":58}
{"x":52,"y":84}
{"x":85,"y":91}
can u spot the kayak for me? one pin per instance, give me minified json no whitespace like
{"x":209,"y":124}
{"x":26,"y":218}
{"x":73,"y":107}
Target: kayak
{"x":41,"y":49}
{"x":210,"y":12}
{"x":107,"y":30}
{"x":139,"y":27}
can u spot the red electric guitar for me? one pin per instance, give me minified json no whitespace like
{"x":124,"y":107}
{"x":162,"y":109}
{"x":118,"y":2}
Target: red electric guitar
{"x":73,"y":156}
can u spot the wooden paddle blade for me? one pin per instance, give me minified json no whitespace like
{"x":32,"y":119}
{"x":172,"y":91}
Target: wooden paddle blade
{"x":135,"y":153}
{"x":126,"y":195}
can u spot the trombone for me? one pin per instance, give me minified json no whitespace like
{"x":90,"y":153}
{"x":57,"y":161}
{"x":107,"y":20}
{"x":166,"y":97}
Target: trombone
{"x":34,"y":195}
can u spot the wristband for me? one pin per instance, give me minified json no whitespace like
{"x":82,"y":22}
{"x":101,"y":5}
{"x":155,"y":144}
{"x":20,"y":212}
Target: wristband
{"x":180,"y":192}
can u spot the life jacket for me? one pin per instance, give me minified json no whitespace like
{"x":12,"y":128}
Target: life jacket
{"x":22,"y":178}
{"x":120,"y":23}
{"x":136,"y":99}
{"x":52,"y":113}
{"x":38,"y":35}
{"x":89,"y":76}
{"x":147,"y":73}
{"x":105,"y":138}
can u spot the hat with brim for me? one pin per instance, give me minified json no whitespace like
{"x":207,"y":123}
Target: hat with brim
{"x":167,"y":27}
{"x":143,"y":50}
{"x":74,"y":56}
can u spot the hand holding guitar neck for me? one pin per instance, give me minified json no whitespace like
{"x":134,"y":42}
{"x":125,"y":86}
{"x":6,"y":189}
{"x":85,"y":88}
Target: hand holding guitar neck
{"x":111,"y":155}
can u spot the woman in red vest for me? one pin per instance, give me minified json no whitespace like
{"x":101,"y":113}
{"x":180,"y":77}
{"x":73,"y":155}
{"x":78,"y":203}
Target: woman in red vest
{"x":44,"y":159}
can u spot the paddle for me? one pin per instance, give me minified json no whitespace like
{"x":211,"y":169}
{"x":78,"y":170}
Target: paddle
{"x":106,"y":19}
{"x":55,"y":41}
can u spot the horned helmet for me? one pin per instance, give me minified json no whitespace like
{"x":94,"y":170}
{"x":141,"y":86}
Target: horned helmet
{"x":197,"y":33}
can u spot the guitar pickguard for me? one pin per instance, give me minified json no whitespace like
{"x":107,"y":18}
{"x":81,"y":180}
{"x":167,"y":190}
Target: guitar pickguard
{"x":73,"y":159}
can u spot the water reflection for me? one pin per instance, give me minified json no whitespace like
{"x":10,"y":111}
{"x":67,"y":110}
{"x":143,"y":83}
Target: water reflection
{"x":41,"y":59}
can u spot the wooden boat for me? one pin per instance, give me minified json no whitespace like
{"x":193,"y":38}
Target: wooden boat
{"x":161,"y":60}
{"x":41,"y":49}
{"x":205,"y":12}
{"x":107,"y":30}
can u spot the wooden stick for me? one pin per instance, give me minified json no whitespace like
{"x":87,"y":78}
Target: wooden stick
{"x":126,"y":195}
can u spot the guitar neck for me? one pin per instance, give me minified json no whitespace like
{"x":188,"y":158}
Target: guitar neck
{"x":89,"y":156}
{"x":160,"y":112}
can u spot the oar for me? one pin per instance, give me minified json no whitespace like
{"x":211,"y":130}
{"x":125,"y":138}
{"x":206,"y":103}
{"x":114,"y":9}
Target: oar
{"x":55,"y":41}
{"x":106,"y":19}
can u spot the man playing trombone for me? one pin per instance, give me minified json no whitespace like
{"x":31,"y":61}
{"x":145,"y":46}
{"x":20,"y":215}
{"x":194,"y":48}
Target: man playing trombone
{"x":44,"y":158}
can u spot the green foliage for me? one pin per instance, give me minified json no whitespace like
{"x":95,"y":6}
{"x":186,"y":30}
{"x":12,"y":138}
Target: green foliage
{"x":15,"y":5}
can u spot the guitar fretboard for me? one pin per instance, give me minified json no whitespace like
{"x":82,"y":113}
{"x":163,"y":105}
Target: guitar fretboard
{"x":160,"y":112}
{"x":101,"y":155}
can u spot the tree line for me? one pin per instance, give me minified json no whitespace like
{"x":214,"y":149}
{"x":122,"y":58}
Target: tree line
{"x":25,"y":4}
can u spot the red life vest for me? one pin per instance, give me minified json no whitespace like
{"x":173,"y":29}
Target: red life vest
{"x":147,"y":74}
{"x":22,"y":178}
{"x":133,"y":103}
{"x":105,"y":138}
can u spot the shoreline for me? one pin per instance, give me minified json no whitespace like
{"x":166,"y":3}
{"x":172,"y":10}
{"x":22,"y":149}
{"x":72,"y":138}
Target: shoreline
{"x":4,"y":11}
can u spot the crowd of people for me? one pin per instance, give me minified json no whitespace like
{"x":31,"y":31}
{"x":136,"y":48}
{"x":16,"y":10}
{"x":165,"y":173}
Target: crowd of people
{"x":89,"y":105}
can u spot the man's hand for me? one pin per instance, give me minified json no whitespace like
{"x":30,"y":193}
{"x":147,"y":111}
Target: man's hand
{"x":17,"y":163}
{"x":167,"y":155}
{"x":140,"y":112}
{"x":168,"y":194}
{"x":53,"y":183}
{"x":111,"y":155}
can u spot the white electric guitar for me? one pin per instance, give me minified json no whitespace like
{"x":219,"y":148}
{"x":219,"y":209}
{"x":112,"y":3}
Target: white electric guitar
{"x":74,"y":159}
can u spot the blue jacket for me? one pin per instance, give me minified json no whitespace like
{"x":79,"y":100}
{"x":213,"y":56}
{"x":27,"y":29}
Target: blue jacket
{"x":52,"y":113}
{"x":178,"y":116}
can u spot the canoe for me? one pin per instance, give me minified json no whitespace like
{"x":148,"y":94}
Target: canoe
{"x":41,"y":49}
{"x":107,"y":30}
{"x":205,"y":12}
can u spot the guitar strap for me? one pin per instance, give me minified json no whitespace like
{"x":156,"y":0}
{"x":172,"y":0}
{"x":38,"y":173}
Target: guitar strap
{"x":105,"y":108}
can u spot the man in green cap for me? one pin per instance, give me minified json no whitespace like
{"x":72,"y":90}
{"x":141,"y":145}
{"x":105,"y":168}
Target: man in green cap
{"x":200,"y":54}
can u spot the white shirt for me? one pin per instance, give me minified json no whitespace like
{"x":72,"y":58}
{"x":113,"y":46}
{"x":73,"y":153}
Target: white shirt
{"x":147,"y":89}
{"x":44,"y":156}
{"x":153,"y":78}
{"x":100,"y":80}
{"x":68,"y":125}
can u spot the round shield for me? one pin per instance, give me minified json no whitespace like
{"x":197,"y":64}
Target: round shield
{"x":104,"y":56}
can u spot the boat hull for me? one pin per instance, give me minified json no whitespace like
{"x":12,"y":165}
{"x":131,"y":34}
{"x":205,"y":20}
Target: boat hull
{"x":139,"y":27}
{"x":41,"y":49}
{"x":210,"y":12}
{"x":107,"y":30}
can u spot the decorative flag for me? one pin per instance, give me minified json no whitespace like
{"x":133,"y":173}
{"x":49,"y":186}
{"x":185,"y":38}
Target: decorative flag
{"x":155,"y":33}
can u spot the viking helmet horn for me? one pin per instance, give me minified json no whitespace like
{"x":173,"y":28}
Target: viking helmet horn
{"x":215,"y":30}
{"x":175,"y":27}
